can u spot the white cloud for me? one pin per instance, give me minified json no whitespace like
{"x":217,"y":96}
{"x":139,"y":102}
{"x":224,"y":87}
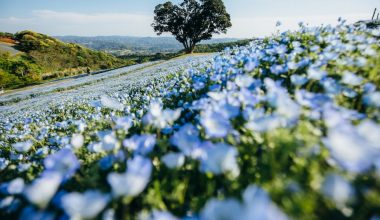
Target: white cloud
{"x":72,"y":23}
{"x":260,"y":26}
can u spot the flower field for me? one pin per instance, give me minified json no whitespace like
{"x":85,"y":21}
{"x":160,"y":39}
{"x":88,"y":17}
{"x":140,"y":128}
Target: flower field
{"x":284,"y":128}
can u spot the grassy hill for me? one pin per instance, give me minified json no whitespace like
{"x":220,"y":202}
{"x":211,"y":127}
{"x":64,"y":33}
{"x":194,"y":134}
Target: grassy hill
{"x":42,"y":57}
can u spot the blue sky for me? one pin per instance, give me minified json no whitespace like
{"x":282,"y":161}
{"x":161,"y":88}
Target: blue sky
{"x":133,"y":17}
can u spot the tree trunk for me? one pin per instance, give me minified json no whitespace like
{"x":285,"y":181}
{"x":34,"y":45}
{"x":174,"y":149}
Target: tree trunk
{"x":190,"y":49}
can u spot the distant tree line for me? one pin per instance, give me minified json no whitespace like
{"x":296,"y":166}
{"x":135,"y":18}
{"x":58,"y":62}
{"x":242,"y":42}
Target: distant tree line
{"x":212,"y":48}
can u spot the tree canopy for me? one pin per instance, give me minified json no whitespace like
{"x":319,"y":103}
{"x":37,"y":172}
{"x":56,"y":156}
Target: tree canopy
{"x":192,"y":21}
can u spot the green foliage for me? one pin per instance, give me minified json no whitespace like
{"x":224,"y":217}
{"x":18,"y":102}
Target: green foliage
{"x":213,"y":48}
{"x":6,"y":35}
{"x":192,"y":21}
{"x":46,"y":57}
{"x":137,"y":58}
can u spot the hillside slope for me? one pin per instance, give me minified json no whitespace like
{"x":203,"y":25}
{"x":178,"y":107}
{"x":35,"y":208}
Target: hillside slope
{"x":8,"y":47}
{"x":44,"y":57}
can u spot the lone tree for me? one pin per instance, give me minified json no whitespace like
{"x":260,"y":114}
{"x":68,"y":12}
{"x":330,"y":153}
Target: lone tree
{"x":191,"y":21}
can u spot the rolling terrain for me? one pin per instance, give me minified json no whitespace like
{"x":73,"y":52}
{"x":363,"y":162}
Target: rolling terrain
{"x":28,"y":58}
{"x":286,"y":127}
{"x":92,"y":85}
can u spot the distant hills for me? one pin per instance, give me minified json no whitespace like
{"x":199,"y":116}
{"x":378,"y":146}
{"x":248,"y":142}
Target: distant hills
{"x":124,"y":45}
{"x":28,"y":58}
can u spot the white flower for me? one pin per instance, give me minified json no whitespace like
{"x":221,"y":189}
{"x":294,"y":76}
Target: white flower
{"x":3,"y":163}
{"x":140,"y":144}
{"x":337,"y":189}
{"x":244,"y":81}
{"x":264,"y":123}
{"x":372,"y":99}
{"x":214,"y":209}
{"x":109,"y":141}
{"x":221,"y":158}
{"x":215,"y":124}
{"x":160,"y":118}
{"x":41,"y":190}
{"x":95,"y":147}
{"x":134,"y":180}
{"x":258,"y":206}
{"x":351,"y":79}
{"x":354,"y":148}
{"x":124,"y":123}
{"x":111,"y":103}
{"x":186,"y":139}
{"x":316,"y":74}
{"x":77,"y":141}
{"x":173,"y":160}
{"x":23,"y":146}
{"x":84,"y":206}
{"x":16,"y":186}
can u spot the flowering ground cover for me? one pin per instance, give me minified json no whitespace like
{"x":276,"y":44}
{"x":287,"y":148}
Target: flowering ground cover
{"x":284,"y":128}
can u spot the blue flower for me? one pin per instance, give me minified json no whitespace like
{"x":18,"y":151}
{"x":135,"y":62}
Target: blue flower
{"x":264,"y":123}
{"x":311,"y":100}
{"x":16,"y":186}
{"x":331,"y":86}
{"x":23,"y":146}
{"x":350,"y":93}
{"x":84,"y":206}
{"x":64,"y":162}
{"x":159,"y":117}
{"x":134,"y":180}
{"x":124,"y":123}
{"x":316,"y":74}
{"x":229,"y":209}
{"x":109,"y":142}
{"x":298,"y":80}
{"x":220,"y":158}
{"x":354,"y":148}
{"x":3,"y":163}
{"x":77,"y":141}
{"x":278,"y":69}
{"x":186,"y":139}
{"x":369,"y":87}
{"x":160,"y":215}
{"x":372,"y":99}
{"x":350,"y":78}
{"x":31,"y":213}
{"x":244,"y":81}
{"x":173,"y":160}
{"x":111,"y":103}
{"x":258,"y":205}
{"x":140,"y":144}
{"x":338,"y":190}
{"x":251,"y":64}
{"x":215,"y":124}
{"x":42,"y":189}
{"x":106,"y":162}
